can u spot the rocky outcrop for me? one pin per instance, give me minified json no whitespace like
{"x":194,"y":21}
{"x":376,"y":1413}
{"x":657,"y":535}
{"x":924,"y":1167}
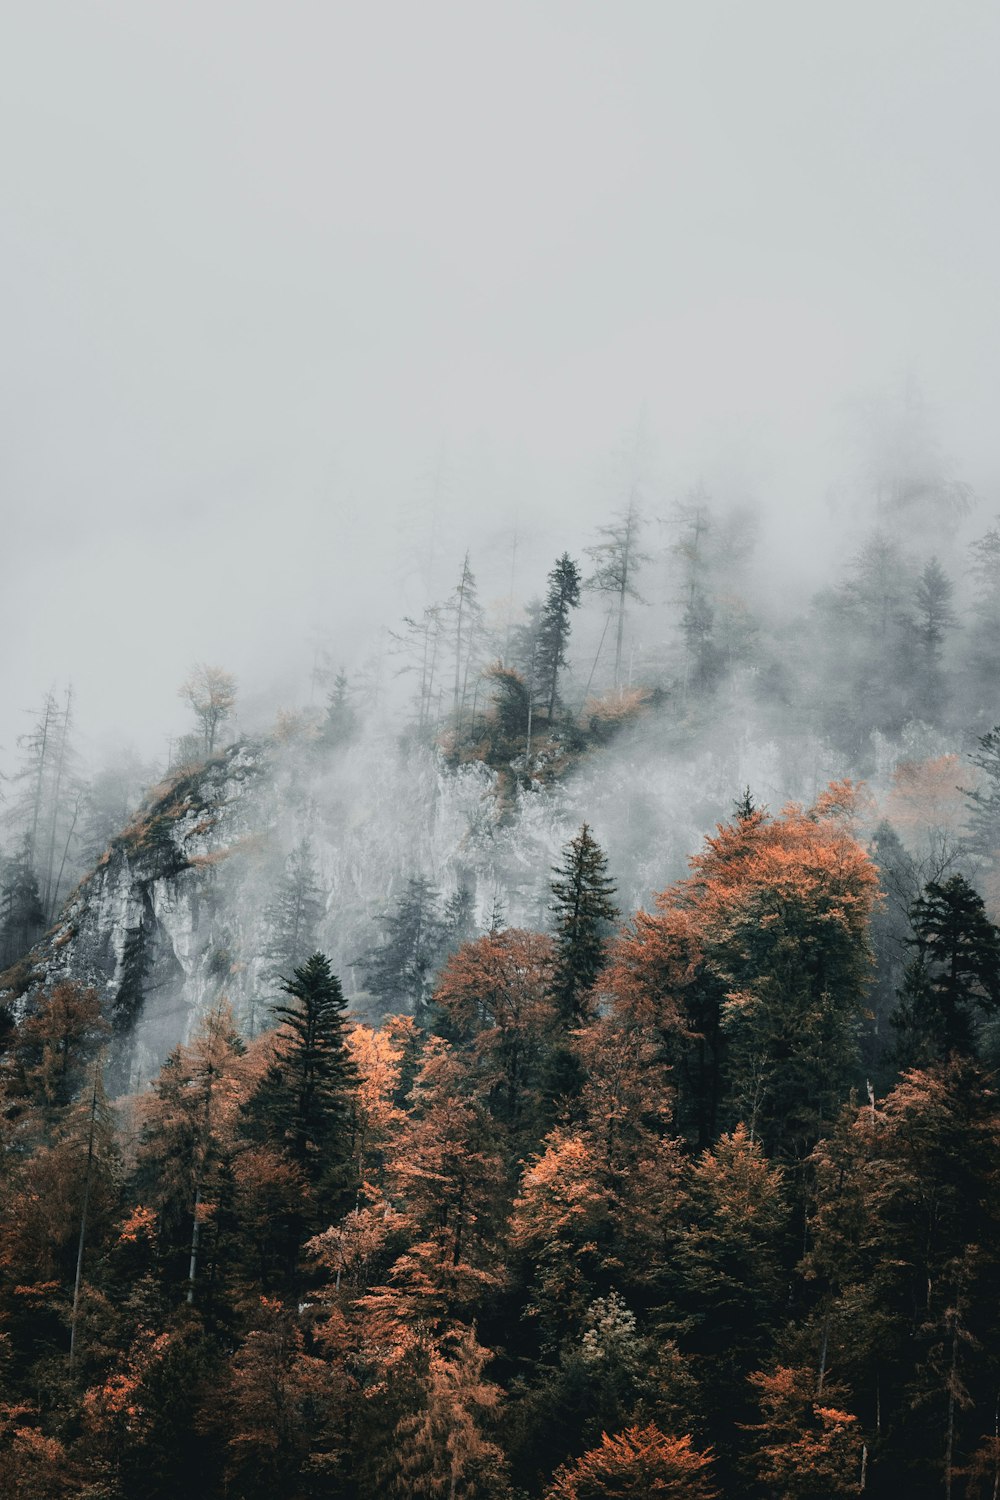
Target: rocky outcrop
{"x":147,"y":928}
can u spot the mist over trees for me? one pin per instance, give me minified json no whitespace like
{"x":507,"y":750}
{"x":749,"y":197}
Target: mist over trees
{"x":558,"y":1114}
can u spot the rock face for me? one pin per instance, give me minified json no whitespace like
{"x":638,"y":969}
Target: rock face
{"x":144,"y":928}
{"x":180,"y":910}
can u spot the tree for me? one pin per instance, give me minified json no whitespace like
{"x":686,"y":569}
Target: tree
{"x":340,"y":723}
{"x":730,"y":1266}
{"x":869,"y":639}
{"x":808,"y":1447}
{"x":441,"y":1447}
{"x":563,"y":595}
{"x":984,"y":800}
{"x":22,"y":916}
{"x":295,"y":913}
{"x":984,"y":630}
{"x":782,"y":909}
{"x":468,"y":632}
{"x":54,"y":1047}
{"x":49,"y":807}
{"x":421,"y":642}
{"x":635,"y":1465}
{"x":955,"y":972}
{"x":699,"y":614}
{"x":583,"y":912}
{"x":211,"y":694}
{"x":400,"y":971}
{"x":617,"y":560}
{"x":493,"y":995}
{"x":305,"y":1097}
{"x":187,"y":1139}
{"x":935,"y":618}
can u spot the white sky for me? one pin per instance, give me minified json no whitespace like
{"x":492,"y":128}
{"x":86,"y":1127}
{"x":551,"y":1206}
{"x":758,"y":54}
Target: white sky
{"x":260,"y":261}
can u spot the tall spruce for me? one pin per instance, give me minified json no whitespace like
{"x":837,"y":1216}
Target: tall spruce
{"x":295,"y":913}
{"x":400,"y":971}
{"x":304,"y":1100}
{"x":583,"y":912}
{"x":562,"y":596}
{"x":984,"y":812}
{"x":22,"y":916}
{"x":954,"y":974}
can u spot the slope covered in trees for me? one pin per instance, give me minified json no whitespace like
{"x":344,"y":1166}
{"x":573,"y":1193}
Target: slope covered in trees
{"x":619,"y":1213}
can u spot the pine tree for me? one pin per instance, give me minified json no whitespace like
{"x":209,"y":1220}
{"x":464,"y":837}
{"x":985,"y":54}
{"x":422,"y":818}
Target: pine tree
{"x":955,"y":972}
{"x":984,"y":628}
{"x":935,"y":617}
{"x":467,"y":634}
{"x":400,"y":971}
{"x":583,"y":912}
{"x":341,"y":720}
{"x":22,"y":916}
{"x":562,"y":596}
{"x":305,"y":1096}
{"x":984,"y":812}
{"x":295,"y":913}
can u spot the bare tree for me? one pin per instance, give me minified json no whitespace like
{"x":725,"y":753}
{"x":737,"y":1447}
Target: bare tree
{"x":211,"y":692}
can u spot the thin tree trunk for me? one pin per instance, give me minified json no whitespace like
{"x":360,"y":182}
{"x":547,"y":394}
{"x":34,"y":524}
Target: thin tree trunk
{"x":950,"y":1444}
{"x":60,"y":768}
{"x":83,"y":1222}
{"x":65,"y":856}
{"x":600,"y":648}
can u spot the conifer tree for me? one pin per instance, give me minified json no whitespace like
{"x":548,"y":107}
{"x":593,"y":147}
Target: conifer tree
{"x":984,"y":812}
{"x":583,"y":912}
{"x":341,"y":719}
{"x":563,"y":595}
{"x":935,"y":617}
{"x":22,"y":916}
{"x":305,"y":1097}
{"x":400,"y":971}
{"x":295,"y":913}
{"x":955,"y":972}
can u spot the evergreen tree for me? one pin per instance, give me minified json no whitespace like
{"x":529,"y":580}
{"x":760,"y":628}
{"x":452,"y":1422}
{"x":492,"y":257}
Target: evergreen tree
{"x":562,"y":596}
{"x":304,"y":1098}
{"x":400,"y":971}
{"x":458,"y":918}
{"x":935,"y":617}
{"x":295,"y":913}
{"x":22,"y":916}
{"x":583,"y":912}
{"x":984,"y":629}
{"x":341,"y":720}
{"x":468,"y":631}
{"x":984,"y":812}
{"x":955,"y":972}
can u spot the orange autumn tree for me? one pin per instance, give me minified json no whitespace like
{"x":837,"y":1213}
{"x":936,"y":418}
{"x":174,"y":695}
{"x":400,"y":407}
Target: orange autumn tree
{"x":637,"y":1464}
{"x":494,"y":995}
{"x":809,"y":1448}
{"x":760,"y":959}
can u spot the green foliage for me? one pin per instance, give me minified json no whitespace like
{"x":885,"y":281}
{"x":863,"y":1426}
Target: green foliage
{"x":582,"y":912}
{"x":304,"y":1099}
{"x":955,"y":973}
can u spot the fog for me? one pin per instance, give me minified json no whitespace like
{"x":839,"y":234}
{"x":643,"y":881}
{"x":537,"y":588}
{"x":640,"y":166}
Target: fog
{"x":274,"y":277}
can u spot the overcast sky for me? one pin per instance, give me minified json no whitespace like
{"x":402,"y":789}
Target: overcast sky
{"x":261,"y":264}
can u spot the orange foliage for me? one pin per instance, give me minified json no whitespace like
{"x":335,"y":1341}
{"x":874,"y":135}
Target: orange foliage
{"x":810,"y":1449}
{"x":637,"y":1464}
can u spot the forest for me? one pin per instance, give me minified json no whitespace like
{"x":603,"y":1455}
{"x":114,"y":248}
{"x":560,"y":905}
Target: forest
{"x":681,"y":1188}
